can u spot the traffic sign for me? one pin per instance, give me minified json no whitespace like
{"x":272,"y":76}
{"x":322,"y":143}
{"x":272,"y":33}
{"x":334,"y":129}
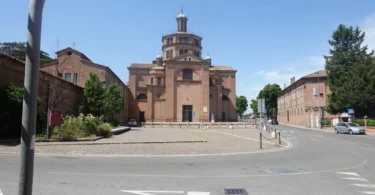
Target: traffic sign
{"x":350,"y":111}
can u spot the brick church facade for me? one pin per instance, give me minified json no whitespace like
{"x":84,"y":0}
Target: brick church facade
{"x":180,"y":85}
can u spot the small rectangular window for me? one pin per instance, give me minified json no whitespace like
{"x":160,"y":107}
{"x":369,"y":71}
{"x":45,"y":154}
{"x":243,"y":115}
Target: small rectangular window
{"x":159,"y":81}
{"x":68,"y":76}
{"x":75,"y":78}
{"x":152,"y":81}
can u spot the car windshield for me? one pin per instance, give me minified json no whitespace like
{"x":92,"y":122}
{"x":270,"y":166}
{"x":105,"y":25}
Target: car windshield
{"x":352,"y":124}
{"x":132,"y":120}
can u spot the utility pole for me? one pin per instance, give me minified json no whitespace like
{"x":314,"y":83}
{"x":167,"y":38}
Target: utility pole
{"x":29,"y":109}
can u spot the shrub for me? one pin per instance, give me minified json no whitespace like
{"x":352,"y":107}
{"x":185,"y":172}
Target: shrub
{"x":79,"y":127}
{"x":104,"y":130}
{"x":371,"y":122}
{"x":360,"y":122}
{"x":325,"y":121}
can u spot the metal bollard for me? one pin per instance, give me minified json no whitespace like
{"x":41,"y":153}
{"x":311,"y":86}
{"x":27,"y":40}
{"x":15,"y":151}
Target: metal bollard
{"x":179,"y":125}
{"x":188,"y":123}
{"x":143,"y":125}
{"x":275,"y":133}
{"x":260,"y":140}
{"x":279,"y":138}
{"x":160,"y":124}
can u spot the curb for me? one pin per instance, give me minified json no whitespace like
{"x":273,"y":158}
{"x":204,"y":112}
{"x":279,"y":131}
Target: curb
{"x":72,"y":140}
{"x":120,"y":130}
{"x":112,"y":143}
{"x":305,"y":128}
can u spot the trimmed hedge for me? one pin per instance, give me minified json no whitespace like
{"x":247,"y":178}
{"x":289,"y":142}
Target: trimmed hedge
{"x":370,"y":122}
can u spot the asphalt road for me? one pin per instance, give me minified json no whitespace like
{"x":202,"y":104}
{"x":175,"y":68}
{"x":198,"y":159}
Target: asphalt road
{"x":318,"y":163}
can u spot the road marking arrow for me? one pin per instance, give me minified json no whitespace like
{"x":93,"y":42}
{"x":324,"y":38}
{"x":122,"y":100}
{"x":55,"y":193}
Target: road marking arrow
{"x":364,"y":185}
{"x":368,"y":192}
{"x":143,"y":192}
{"x":355,"y":178}
{"x":348,"y":173}
{"x":198,"y":193}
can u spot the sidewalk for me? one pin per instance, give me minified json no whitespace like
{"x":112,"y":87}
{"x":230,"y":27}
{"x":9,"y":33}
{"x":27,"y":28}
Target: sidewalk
{"x":139,"y":135}
{"x":164,"y":141}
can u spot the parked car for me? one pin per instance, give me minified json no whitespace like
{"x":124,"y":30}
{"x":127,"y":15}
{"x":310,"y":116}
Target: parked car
{"x":347,"y":127}
{"x":132,"y":123}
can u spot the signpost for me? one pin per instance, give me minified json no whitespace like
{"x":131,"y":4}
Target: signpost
{"x":351,"y":112}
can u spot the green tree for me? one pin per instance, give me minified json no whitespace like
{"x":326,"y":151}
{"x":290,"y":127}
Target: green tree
{"x":18,"y":50}
{"x":270,"y":94}
{"x":93,"y":95}
{"x":241,"y":105}
{"x":113,"y":102}
{"x":254,"y":106}
{"x":350,"y":72}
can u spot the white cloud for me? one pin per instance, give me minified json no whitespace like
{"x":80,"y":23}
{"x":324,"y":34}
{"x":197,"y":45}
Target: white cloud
{"x":368,"y":26}
{"x":260,"y":72}
{"x":318,"y":61}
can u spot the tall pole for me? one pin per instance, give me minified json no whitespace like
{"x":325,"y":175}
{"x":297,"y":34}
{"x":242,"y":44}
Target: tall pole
{"x":29,"y":110}
{"x":320,"y":112}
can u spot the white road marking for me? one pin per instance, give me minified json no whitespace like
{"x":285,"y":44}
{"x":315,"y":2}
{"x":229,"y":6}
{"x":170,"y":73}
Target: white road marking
{"x":142,"y":192}
{"x":364,"y":185}
{"x":348,"y":173}
{"x":355,"y":178}
{"x":198,"y":193}
{"x":1,"y":192}
{"x":368,"y":192}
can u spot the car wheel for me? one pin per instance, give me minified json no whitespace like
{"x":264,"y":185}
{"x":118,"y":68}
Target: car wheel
{"x":350,"y":132}
{"x":336,"y":131}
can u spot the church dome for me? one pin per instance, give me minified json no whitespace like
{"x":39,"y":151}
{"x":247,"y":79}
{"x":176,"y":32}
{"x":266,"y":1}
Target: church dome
{"x":159,"y":56}
{"x":208,"y":58}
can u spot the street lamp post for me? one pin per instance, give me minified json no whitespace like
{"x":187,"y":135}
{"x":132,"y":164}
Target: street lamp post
{"x":29,"y":109}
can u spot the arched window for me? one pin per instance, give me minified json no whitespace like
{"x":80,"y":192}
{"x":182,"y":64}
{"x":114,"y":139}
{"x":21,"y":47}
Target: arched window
{"x":187,"y":74}
{"x":142,"y":97}
{"x":224,"y":98}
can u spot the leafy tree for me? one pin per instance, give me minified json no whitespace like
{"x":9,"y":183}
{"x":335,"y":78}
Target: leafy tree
{"x":113,"y":102}
{"x":350,"y":72}
{"x":254,"y":106}
{"x":18,"y":50}
{"x":93,"y":95}
{"x":241,"y":105}
{"x":270,"y":93}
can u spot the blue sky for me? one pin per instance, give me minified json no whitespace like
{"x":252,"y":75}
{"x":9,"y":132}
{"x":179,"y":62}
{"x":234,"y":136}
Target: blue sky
{"x":266,"y":41}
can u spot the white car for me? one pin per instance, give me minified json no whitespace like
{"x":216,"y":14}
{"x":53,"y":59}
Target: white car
{"x":132,"y":123}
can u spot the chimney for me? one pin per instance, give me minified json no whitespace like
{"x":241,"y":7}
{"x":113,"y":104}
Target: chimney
{"x":292,"y":80}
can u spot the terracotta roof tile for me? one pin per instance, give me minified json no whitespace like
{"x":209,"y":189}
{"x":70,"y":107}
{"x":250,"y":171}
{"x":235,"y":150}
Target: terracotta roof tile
{"x":320,"y":73}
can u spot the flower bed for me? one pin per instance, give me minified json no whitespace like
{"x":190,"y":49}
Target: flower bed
{"x":82,"y":126}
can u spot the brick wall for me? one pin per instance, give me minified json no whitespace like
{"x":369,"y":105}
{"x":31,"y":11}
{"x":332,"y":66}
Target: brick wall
{"x":67,"y":96}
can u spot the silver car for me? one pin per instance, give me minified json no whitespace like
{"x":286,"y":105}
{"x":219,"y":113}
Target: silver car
{"x":351,"y":128}
{"x":132,"y":123}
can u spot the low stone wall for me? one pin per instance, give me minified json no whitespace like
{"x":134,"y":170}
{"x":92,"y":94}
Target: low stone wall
{"x":204,"y":125}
